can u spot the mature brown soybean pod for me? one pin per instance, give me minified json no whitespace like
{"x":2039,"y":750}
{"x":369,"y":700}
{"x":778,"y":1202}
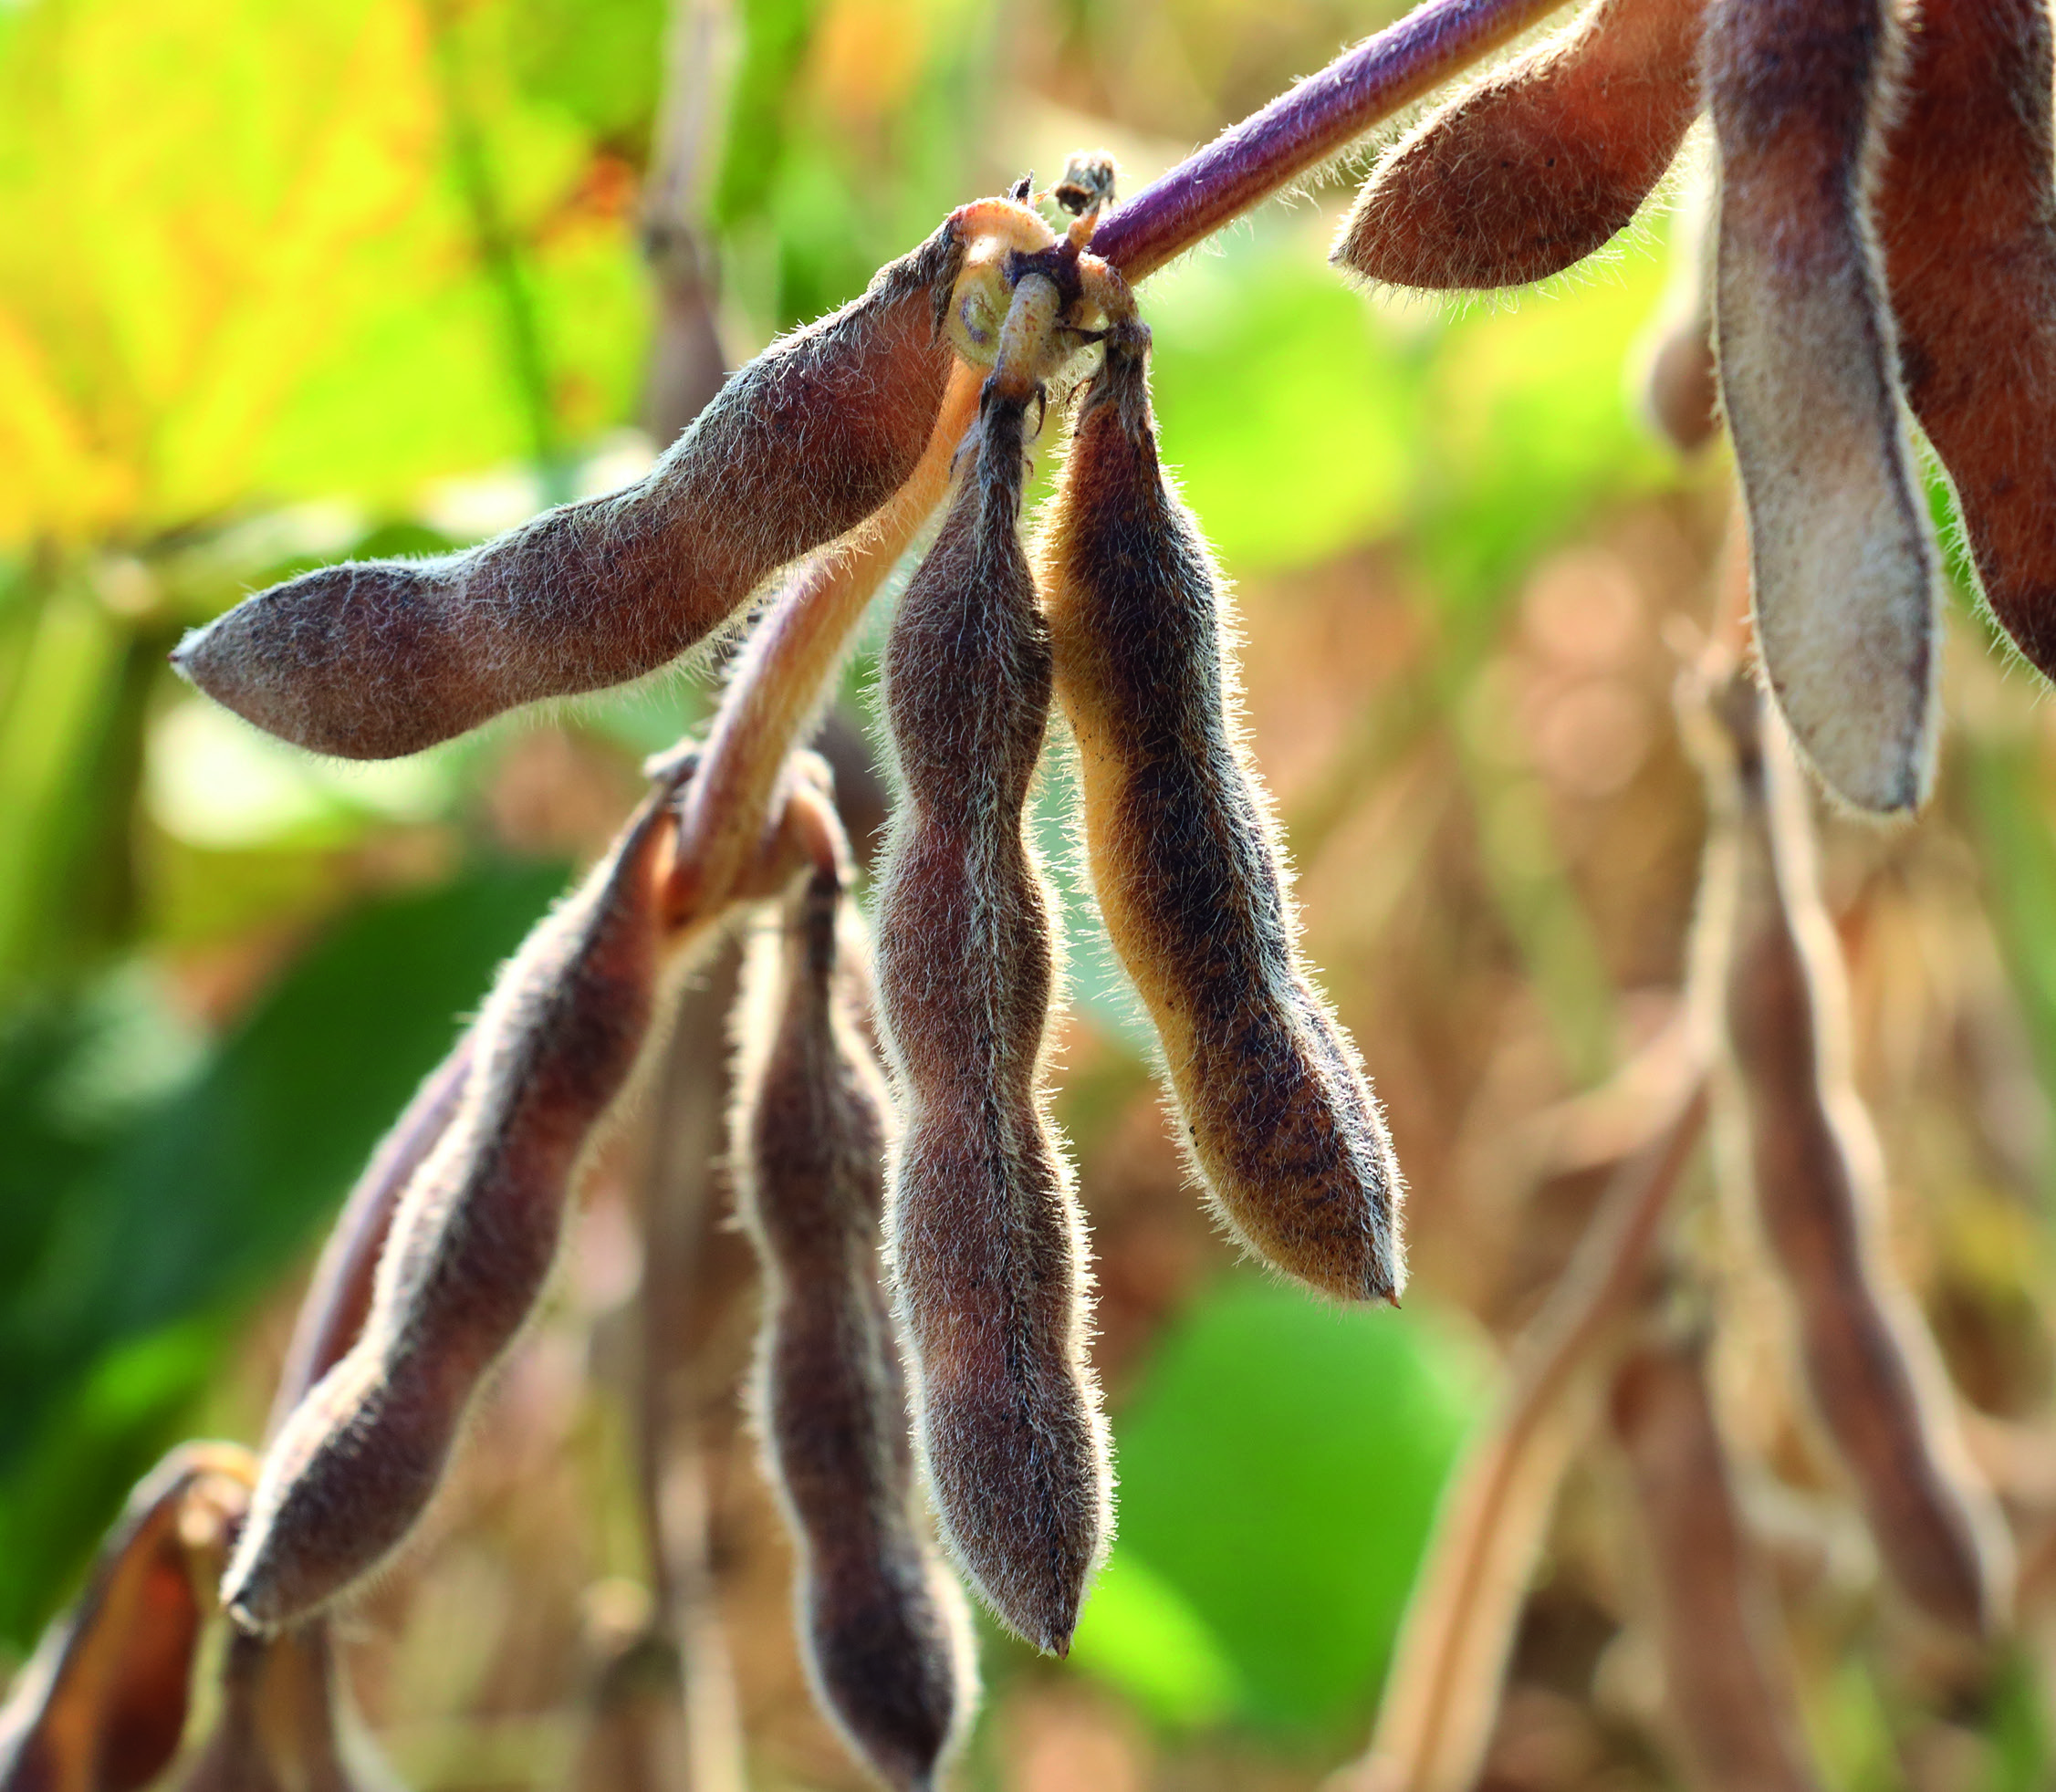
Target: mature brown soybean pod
{"x":101,"y":1706}
{"x":1841,"y":555}
{"x":986,"y":1238}
{"x":1967,"y":216}
{"x":282,"y":1727}
{"x":1870,"y":1364}
{"x":881,"y":1622}
{"x":471,"y":1245}
{"x":1277,"y":1114}
{"x":1538,"y":165}
{"x":1726,"y":1680}
{"x":378,"y":658}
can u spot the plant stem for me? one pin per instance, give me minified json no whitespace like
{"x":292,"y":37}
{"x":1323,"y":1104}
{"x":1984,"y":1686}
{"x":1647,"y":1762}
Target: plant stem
{"x":1248,"y":163}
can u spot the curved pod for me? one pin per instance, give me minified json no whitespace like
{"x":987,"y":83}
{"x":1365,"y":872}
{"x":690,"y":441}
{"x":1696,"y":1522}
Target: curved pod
{"x":379,"y":658}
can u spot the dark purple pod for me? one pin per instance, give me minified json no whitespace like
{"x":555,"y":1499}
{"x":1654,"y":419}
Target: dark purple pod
{"x":986,"y":1241}
{"x":881,"y":1622}
{"x":379,"y":657}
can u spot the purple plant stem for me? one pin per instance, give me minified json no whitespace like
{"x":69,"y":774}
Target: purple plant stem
{"x":340,"y":1295}
{"x":1270,"y":149}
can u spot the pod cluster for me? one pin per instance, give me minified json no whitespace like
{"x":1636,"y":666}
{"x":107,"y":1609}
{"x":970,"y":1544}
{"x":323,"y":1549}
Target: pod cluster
{"x":1885,"y":260}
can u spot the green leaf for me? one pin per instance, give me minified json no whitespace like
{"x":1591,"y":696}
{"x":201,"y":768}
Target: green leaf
{"x":1140,"y":1635}
{"x":1279,"y":1466}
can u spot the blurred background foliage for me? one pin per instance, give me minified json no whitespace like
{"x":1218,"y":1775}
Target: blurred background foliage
{"x":283,"y":283}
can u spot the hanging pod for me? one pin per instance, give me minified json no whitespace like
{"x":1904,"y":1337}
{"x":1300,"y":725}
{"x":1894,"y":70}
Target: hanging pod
{"x":1842,"y":559}
{"x":378,"y":658}
{"x":1967,"y":216}
{"x":883,"y":1626}
{"x":1277,"y":1117}
{"x":1539,"y":165}
{"x":1868,"y":1359}
{"x":473,"y":1240}
{"x":986,"y":1241}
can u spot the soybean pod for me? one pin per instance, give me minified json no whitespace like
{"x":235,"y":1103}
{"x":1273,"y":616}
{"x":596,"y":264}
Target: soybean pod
{"x":1279,"y":1120}
{"x":1539,"y":165}
{"x":986,"y":1237}
{"x":473,"y":1240}
{"x":373,"y":659}
{"x":883,"y":1627}
{"x":1869,"y":1362}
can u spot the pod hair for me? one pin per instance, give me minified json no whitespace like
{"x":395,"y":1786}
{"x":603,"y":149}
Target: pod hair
{"x":985,"y":1237}
{"x":1841,"y":555}
{"x":102,"y":1704}
{"x":373,"y":659}
{"x":883,"y":1626}
{"x":1869,"y":1364}
{"x":1277,"y":1118}
{"x":1967,"y":216}
{"x":473,"y":1241}
{"x":1729,"y":1686}
{"x":1538,"y":166}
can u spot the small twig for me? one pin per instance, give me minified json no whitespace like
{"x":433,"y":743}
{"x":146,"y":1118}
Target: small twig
{"x":1436,"y":1716}
{"x":1298,"y":131}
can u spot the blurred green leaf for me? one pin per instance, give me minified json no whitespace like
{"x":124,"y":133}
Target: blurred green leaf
{"x":1140,"y":1633}
{"x":1279,"y":1466}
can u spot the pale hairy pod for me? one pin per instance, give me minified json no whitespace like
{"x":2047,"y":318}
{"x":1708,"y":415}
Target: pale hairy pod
{"x":284,"y":1726}
{"x":379,"y":658}
{"x":985,"y":1237}
{"x":1539,"y":164}
{"x":1967,"y":216}
{"x":1728,"y":1684}
{"x":102,"y":1704}
{"x":473,"y":1238}
{"x":882,"y":1625}
{"x":1841,"y":554}
{"x":1870,"y":1364}
{"x":1278,"y":1119}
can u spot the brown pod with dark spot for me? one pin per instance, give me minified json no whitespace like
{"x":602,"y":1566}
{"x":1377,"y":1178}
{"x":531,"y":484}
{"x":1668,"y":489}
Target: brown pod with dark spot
{"x":379,"y":657}
{"x":102,"y":1704}
{"x":282,"y":1725}
{"x":1539,"y":165}
{"x":1726,"y":1680}
{"x":1841,"y":554}
{"x":881,"y":1622}
{"x":1966,"y":215}
{"x":1277,"y":1117}
{"x":473,"y":1241}
{"x":985,"y":1237}
{"x":1870,"y":1364}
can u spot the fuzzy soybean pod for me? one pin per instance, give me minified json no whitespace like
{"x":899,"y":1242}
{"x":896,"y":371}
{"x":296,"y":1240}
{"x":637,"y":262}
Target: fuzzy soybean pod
{"x":1869,"y":1362}
{"x":378,"y":658}
{"x":1966,"y":215}
{"x":986,"y":1237}
{"x":102,"y":1704}
{"x":881,"y":1622}
{"x":1539,"y":165}
{"x":1727,"y":1681}
{"x":472,"y":1243}
{"x":1277,"y":1118}
{"x":1841,"y":555}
